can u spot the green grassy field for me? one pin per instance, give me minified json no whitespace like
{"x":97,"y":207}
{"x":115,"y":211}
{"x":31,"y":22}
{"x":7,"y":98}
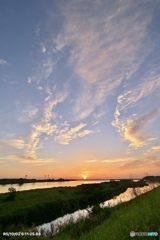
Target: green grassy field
{"x":44,"y":205}
{"x":141,"y":214}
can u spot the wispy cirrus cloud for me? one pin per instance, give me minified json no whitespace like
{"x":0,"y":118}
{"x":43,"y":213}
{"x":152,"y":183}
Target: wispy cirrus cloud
{"x":31,"y":160}
{"x":40,"y":88}
{"x":3,"y":62}
{"x":118,"y":160}
{"x":133,"y":129}
{"x":135,"y":112}
{"x":139,"y":163}
{"x":46,"y":125}
{"x":24,"y":158}
{"x":32,"y":144}
{"x":103,"y":52}
{"x":104,"y":49}
{"x":45,"y":66}
{"x":91,"y":161}
{"x":43,"y":72}
{"x":67,"y":134}
{"x":155,"y":147}
{"x":28,"y":113}
{"x":15,"y":143}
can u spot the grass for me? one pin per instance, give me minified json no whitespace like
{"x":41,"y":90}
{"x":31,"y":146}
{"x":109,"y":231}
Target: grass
{"x":43,"y":205}
{"x":140,"y":215}
{"x":33,"y":205}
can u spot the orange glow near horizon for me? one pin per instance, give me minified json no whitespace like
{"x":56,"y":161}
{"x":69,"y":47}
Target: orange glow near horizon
{"x":84,"y":169}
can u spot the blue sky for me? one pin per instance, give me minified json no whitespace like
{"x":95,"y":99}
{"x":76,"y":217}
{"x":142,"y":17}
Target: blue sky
{"x":79,"y":88}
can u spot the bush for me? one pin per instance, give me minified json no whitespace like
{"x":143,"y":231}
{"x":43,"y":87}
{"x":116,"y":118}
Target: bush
{"x":11,"y":194}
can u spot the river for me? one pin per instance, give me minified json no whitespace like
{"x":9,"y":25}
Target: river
{"x":39,"y":185}
{"x":129,"y":194}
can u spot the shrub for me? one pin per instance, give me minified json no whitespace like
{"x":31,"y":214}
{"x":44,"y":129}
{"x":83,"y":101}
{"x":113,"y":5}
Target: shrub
{"x":11,"y":194}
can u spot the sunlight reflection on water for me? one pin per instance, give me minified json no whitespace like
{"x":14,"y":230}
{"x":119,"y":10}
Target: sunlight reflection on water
{"x":40,"y":185}
{"x":129,"y":194}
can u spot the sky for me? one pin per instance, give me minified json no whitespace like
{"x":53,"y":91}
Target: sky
{"x":79,"y":88}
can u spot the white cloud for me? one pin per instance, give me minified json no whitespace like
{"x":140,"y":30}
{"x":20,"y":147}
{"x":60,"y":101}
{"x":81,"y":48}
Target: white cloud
{"x":118,"y":160}
{"x":43,"y":49}
{"x":67,"y":134}
{"x":104,"y":48}
{"x":133,"y":128}
{"x":140,"y":164}
{"x":132,"y":121}
{"x":29,"y":80}
{"x":16,"y":143}
{"x":44,"y":70}
{"x":155,"y":148}
{"x":40,"y":88}
{"x":37,"y":30}
{"x":3,"y":62}
{"x":141,"y":91}
{"x":45,"y":127}
{"x":28,"y":113}
{"x":48,"y":66}
{"x":25,"y":158}
{"x":60,"y":43}
{"x":94,"y":96}
{"x":91,"y":161}
{"x":47,"y":124}
{"x":32,"y":144}
{"x":38,"y":161}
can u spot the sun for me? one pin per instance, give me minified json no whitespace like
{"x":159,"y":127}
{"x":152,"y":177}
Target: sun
{"x":84,"y":176}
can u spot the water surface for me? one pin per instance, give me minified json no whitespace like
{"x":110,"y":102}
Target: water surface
{"x":40,"y":185}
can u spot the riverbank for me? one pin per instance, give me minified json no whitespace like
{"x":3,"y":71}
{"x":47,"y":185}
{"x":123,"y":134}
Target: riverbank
{"x":139,"y":215}
{"x":21,"y":181}
{"x":43,"y":205}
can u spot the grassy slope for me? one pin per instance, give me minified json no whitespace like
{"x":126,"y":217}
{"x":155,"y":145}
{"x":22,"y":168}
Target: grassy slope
{"x":31,"y":197}
{"x":25,"y":199}
{"x":33,"y":202}
{"x":141,"y":214}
